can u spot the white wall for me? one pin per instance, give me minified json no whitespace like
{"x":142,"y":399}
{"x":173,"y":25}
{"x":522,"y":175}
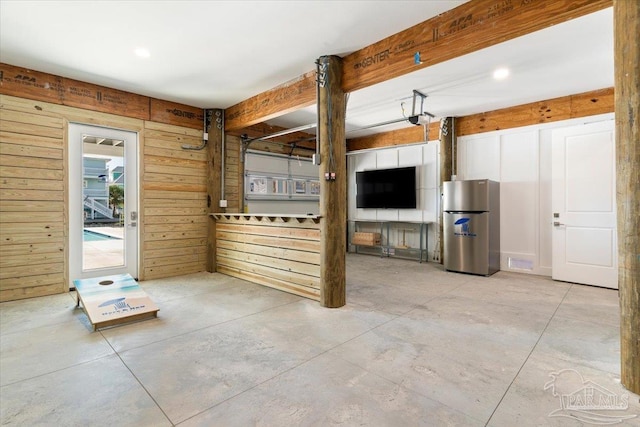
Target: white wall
{"x":425,"y":158}
{"x":521,"y":160}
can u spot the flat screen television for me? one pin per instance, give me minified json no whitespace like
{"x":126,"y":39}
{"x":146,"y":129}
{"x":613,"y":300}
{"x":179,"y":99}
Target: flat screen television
{"x":386,"y":188}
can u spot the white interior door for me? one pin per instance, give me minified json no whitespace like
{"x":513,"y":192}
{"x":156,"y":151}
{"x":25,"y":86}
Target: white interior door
{"x":584,"y":205}
{"x":103,"y":202}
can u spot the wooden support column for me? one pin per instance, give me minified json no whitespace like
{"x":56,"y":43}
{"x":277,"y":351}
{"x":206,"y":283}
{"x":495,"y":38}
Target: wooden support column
{"x":333,"y":192}
{"x":446,"y":170}
{"x":626,"y":16}
{"x":214,"y":181}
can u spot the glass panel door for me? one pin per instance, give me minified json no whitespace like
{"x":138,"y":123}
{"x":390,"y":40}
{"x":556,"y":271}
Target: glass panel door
{"x":103,"y":202}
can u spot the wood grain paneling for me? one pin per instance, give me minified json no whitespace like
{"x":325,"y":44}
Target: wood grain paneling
{"x":408,"y":135}
{"x":547,"y":111}
{"x":174,"y":214}
{"x":626,"y":16}
{"x":279,"y":252}
{"x":332,"y":106}
{"x":233,"y":178}
{"x":24,"y":83}
{"x":106,"y":100}
{"x":32,"y":201}
{"x":21,"y":82}
{"x":290,"y":96}
{"x":35,"y":85}
{"x":176,"y":114}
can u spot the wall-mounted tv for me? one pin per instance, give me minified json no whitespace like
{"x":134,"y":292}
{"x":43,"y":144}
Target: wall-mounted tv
{"x":386,"y":188}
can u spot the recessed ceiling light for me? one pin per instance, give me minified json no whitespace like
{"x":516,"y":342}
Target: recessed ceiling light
{"x":142,"y":52}
{"x":501,"y":73}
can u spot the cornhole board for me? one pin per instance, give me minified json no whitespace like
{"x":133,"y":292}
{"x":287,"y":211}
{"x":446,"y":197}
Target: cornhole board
{"x":111,"y":300}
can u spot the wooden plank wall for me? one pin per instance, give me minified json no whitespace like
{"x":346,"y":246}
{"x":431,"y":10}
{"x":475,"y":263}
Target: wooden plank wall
{"x":174,"y":189}
{"x":282,"y":253}
{"x":33,"y":206}
{"x":233,"y":171}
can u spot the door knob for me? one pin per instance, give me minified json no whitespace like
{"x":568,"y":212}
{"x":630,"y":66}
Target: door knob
{"x":557,"y":224}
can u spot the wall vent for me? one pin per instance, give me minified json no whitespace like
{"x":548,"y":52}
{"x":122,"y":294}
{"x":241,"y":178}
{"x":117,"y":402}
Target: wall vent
{"x":520,"y":264}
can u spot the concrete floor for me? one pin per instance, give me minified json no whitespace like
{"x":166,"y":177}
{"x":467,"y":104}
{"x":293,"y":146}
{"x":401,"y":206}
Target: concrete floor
{"x":414,"y":346}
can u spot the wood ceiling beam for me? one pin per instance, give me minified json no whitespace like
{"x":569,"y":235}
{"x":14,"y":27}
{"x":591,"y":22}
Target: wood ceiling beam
{"x":407,"y":135}
{"x":467,"y":28}
{"x":290,"y":96}
{"x":547,"y":111}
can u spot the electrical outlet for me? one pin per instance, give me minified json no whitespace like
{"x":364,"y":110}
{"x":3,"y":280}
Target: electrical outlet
{"x":223,"y":203}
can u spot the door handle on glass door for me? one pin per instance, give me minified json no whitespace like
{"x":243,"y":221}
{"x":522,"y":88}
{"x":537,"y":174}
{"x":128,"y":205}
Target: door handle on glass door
{"x":134,"y":217}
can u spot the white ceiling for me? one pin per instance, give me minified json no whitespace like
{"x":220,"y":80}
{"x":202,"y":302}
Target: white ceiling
{"x":214,"y":54}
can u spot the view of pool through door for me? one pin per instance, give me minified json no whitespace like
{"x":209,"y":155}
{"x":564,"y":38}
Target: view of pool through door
{"x":103,"y":202}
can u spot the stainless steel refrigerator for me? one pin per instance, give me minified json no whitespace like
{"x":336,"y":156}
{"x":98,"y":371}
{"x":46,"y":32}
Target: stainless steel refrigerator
{"x":472,"y":226}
